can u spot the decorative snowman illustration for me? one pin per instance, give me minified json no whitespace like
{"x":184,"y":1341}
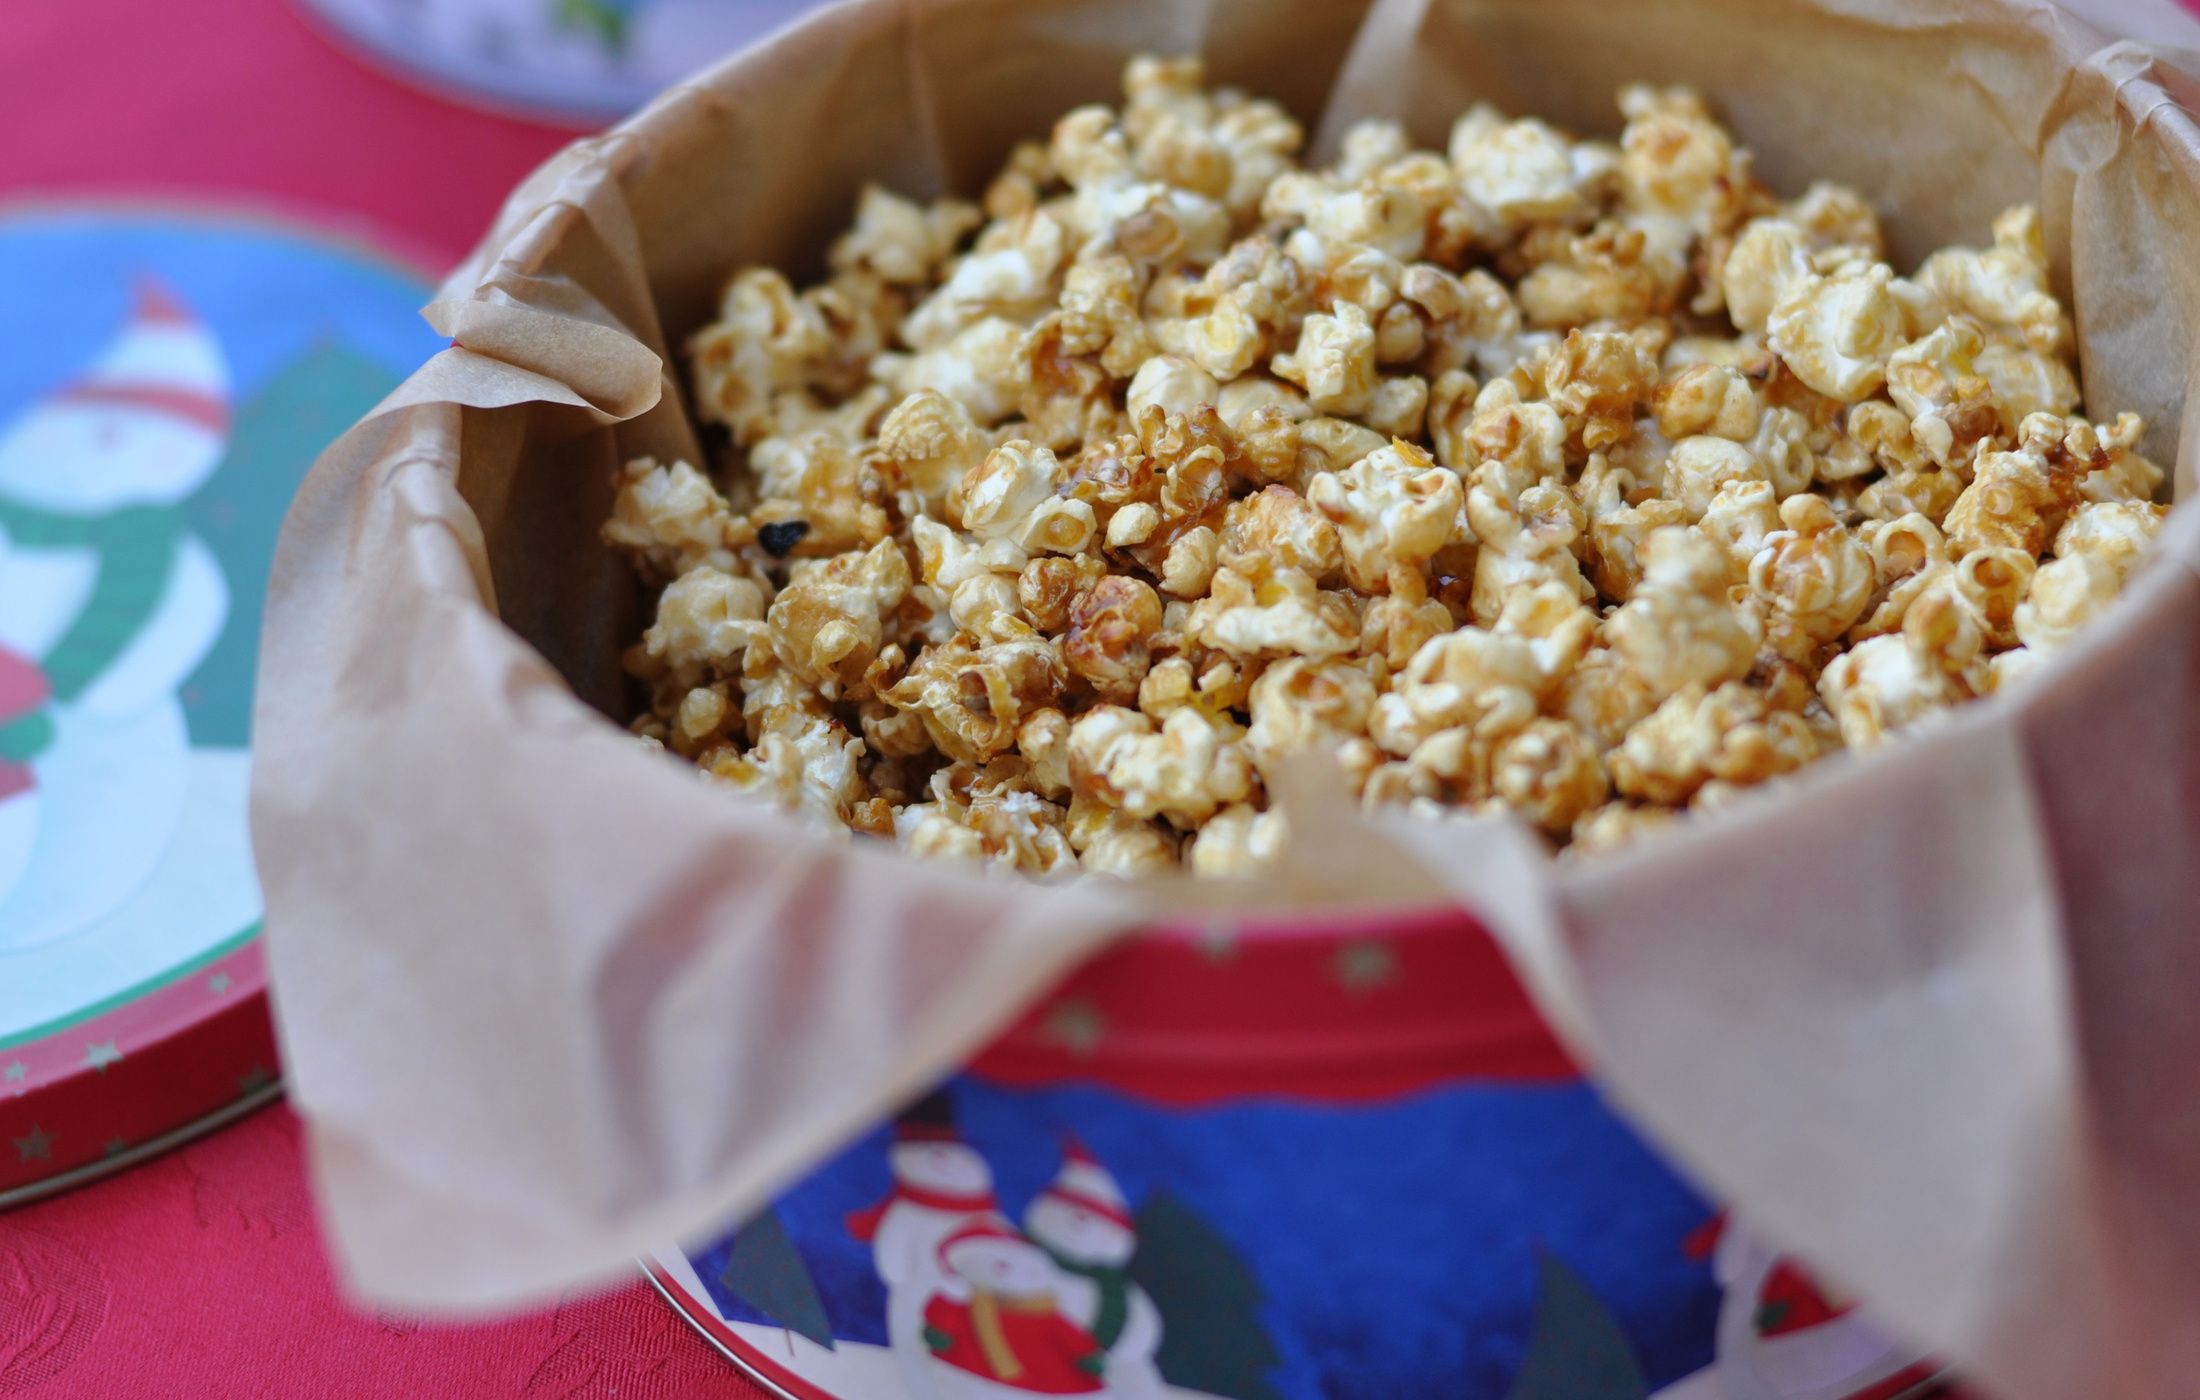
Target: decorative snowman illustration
{"x":108,"y":603}
{"x":1084,"y":1224}
{"x":940,"y":1184}
{"x":1781,"y":1337}
{"x":994,"y":1325}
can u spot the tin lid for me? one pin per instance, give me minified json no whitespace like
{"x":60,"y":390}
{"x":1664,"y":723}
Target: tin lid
{"x":578,"y":62}
{"x":161,"y":395}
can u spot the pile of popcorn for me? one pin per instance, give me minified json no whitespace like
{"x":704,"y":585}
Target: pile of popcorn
{"x":1588,"y":480}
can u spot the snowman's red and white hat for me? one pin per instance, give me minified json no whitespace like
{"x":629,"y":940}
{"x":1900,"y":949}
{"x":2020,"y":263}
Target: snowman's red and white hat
{"x":983,"y":1227}
{"x":1084,"y":1183}
{"x":164,"y":361}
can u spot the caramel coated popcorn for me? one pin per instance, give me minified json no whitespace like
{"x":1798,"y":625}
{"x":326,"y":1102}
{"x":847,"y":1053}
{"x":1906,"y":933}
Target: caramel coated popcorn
{"x":1585,"y":479}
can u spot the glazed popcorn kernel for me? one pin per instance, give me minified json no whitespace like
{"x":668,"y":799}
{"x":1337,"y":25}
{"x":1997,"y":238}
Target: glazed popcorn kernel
{"x":1587,"y":480}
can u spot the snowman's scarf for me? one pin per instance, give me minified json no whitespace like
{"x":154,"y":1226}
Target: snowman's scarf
{"x":1114,"y":1285}
{"x":985,"y":1324}
{"x":136,"y":548}
{"x":863,"y":1224}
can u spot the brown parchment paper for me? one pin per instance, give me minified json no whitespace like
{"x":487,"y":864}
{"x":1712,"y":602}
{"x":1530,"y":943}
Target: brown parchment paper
{"x":1931,"y":1016}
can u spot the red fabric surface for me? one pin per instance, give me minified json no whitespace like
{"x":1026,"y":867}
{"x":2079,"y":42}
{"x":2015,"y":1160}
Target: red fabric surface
{"x":244,"y":100}
{"x":201,"y":1274}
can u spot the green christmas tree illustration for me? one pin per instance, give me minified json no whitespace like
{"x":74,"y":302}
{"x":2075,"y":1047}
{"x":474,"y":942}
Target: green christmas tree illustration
{"x":764,"y":1270}
{"x":1211,"y":1334}
{"x":1577,"y":1350}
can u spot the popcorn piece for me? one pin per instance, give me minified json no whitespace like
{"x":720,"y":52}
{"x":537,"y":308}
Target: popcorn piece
{"x":1937,"y":382}
{"x":1013,"y":496}
{"x":706,"y":620}
{"x":763,"y":342}
{"x":1524,"y":171}
{"x":929,"y":445}
{"x":1603,"y":697}
{"x":1525,"y":543}
{"x":1741,"y":518}
{"x":1237,"y":840}
{"x":671,"y":519}
{"x":1699,"y":468}
{"x":1393,"y":506}
{"x":1109,"y":843}
{"x":1183,"y":771}
{"x":1611,"y":273}
{"x":1276,"y":523}
{"x":827,"y":624}
{"x":1766,"y":267}
{"x":2005,"y":285}
{"x":1707,"y":399}
{"x":901,"y":240}
{"x":1729,"y":734}
{"x":1550,"y":774}
{"x":1189,"y":567}
{"x":2016,"y":500}
{"x":1010,"y":274}
{"x":1814,"y":579}
{"x":1879,"y":686}
{"x":981,"y":366}
{"x":1111,"y":631}
{"x":2095,"y":553}
{"x":1677,"y":630}
{"x":1300,"y":704}
{"x":819,"y":480}
{"x":1473,"y":322}
{"x":974,"y":696}
{"x":1334,"y":361}
{"x":1264,"y":609}
{"x":1048,"y":588}
{"x":1616,"y":824}
{"x":812,"y":770}
{"x":1908,"y":555}
{"x":1597,"y":380}
{"x":1172,"y":383}
{"x":1489,"y":683}
{"x":1836,"y":332}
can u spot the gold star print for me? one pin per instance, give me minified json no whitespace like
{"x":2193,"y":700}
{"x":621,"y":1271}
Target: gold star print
{"x":1218,"y":942}
{"x":102,"y":1055}
{"x":254,"y":1079}
{"x":1363,"y":966}
{"x":14,"y":1073}
{"x":115,"y":1147}
{"x":218,"y":983}
{"x":1078,"y":1026}
{"x":38,"y":1147}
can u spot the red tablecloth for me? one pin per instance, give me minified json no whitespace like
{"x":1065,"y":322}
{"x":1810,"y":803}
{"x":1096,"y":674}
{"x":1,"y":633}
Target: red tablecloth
{"x":201,"y":1273}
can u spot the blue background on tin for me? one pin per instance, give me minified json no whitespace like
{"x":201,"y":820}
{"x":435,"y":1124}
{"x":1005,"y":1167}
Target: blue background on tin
{"x":269,"y":293}
{"x":1395,"y":1240}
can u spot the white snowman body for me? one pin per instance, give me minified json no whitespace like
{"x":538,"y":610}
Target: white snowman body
{"x":905,"y":1250}
{"x":1830,"y":1361}
{"x":1085,"y":1236}
{"x":118,"y":779}
{"x":1007,"y":1268}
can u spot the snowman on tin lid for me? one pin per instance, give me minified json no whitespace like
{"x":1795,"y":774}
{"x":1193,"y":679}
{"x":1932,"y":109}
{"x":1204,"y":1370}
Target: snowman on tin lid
{"x":1082,"y":1221}
{"x":110,"y":597}
{"x":1783,"y":1336}
{"x":940,"y":1183}
{"x":995,"y":1327}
